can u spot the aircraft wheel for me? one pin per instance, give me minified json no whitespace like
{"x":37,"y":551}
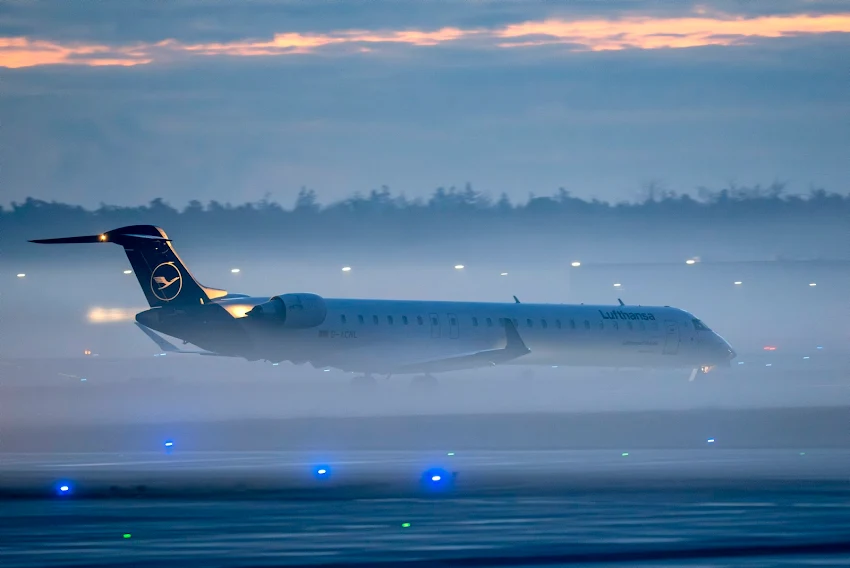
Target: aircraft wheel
{"x":425,"y":382}
{"x":363,"y":382}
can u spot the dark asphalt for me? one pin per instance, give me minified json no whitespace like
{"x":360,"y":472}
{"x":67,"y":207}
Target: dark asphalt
{"x":651,"y":508}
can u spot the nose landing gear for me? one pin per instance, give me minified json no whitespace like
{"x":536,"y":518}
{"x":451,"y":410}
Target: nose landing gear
{"x":702,"y":370}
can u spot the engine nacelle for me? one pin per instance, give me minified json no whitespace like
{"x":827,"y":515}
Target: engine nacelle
{"x":293,"y":311}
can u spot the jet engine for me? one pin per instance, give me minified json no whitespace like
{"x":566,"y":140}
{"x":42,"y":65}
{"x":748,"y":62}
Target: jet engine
{"x":293,"y":311}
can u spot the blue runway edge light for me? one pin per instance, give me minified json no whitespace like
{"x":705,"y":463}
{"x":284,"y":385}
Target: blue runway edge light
{"x":64,"y":488}
{"x":322,"y":472}
{"x":169,"y":444}
{"x":436,"y":479}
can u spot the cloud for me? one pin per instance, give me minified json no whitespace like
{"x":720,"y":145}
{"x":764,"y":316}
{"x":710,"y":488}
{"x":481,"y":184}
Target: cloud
{"x":659,"y":33}
{"x":601,"y":124}
{"x":575,"y":34}
{"x":19,"y":52}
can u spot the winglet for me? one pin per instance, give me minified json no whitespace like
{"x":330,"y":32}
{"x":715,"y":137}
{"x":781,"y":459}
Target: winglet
{"x":516,"y":299}
{"x":514,"y":343}
{"x":621,"y":302}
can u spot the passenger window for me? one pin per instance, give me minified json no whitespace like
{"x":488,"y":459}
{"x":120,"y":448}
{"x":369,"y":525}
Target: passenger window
{"x":489,"y":322}
{"x":342,"y":318}
{"x":360,"y":320}
{"x":475,"y":322}
{"x":529,"y":323}
{"x":543,"y":324}
{"x":375,"y":320}
{"x":419,"y":320}
{"x":558,"y":324}
{"x":454,"y":321}
{"x":515,"y":322}
{"x":572,"y":324}
{"x":586,"y":324}
{"x":404,"y":320}
{"x":390,"y":320}
{"x":435,"y":321}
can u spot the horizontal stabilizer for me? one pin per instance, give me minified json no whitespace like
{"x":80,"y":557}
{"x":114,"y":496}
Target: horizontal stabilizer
{"x":161,"y":273}
{"x":102,"y":238}
{"x":70,"y":240}
{"x":168,"y":347}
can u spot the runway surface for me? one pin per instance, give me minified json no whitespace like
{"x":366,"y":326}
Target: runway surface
{"x":709,"y":507}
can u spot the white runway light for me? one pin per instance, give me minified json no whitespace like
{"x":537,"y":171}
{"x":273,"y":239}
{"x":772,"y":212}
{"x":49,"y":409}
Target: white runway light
{"x":813,"y":284}
{"x":575,"y":264}
{"x":21,"y":275}
{"x":617,"y":285}
{"x":459,"y":267}
{"x":235,"y":270}
{"x":690,"y":261}
{"x":128,"y":272}
{"x":503,"y":274}
{"x":346,"y":269}
{"x":738,"y":283}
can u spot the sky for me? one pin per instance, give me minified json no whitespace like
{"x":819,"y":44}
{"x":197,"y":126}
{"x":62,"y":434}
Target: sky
{"x":124,"y":102}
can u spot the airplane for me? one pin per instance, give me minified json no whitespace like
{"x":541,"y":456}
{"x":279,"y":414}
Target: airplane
{"x":398,"y":337}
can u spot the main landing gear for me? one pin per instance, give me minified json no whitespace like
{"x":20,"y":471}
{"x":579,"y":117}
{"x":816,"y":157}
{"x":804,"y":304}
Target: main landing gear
{"x":428,"y":382}
{"x":363,"y":382}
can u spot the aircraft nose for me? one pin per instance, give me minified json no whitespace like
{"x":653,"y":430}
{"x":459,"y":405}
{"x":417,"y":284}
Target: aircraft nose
{"x":724,"y":347}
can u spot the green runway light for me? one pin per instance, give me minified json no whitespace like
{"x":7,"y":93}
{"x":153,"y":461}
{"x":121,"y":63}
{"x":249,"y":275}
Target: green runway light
{"x":451,"y":453}
{"x":127,"y":535}
{"x":405,"y":525}
{"x":625,"y":454}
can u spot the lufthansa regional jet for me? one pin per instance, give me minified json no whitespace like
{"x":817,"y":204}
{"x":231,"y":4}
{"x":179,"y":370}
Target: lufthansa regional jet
{"x":397,"y":337}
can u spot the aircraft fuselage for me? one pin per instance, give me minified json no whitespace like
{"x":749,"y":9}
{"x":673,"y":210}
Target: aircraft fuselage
{"x":387,"y":336}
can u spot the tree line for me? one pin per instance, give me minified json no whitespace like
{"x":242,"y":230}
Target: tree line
{"x":452,"y":213}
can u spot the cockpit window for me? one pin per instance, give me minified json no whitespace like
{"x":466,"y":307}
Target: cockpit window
{"x":699,"y":326}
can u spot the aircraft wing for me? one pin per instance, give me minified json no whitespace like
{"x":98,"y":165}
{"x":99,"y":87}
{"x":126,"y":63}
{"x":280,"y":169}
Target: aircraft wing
{"x":168,"y":347}
{"x":514,"y":348}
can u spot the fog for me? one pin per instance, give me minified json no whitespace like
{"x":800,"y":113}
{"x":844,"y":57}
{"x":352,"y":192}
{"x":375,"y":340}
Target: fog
{"x":77,"y":299}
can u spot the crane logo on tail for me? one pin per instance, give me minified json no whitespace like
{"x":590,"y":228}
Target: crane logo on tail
{"x":166,"y":281}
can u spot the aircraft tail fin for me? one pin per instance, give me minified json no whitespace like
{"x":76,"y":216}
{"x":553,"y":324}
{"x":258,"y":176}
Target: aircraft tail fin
{"x":164,"y":278}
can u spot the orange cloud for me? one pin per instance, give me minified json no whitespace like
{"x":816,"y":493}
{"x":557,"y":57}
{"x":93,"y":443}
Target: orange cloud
{"x":658,"y":33}
{"x":23,"y":52}
{"x":580,"y":34}
{"x":287,"y":43}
